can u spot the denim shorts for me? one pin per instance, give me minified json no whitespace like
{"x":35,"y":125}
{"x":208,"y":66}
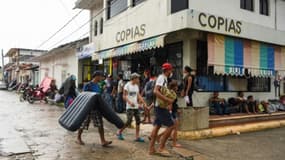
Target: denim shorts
{"x":162,"y":117}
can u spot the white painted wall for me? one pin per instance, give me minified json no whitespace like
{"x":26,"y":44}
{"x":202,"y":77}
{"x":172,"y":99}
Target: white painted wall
{"x":280,"y":15}
{"x":155,"y":14}
{"x":231,"y":9}
{"x":58,"y":63}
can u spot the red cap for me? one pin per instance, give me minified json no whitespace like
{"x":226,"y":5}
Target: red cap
{"x":166,"y":66}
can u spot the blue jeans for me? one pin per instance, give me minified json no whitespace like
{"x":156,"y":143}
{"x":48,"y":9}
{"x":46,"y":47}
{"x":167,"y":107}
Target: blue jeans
{"x":220,"y":108}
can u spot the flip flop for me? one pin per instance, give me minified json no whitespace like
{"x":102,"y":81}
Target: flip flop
{"x":177,"y":146}
{"x":120,"y":137}
{"x":164,"y":153}
{"x":107,"y":144}
{"x":139,"y":140}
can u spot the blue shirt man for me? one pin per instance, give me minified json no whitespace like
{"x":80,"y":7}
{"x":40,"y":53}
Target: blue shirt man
{"x":94,"y":115}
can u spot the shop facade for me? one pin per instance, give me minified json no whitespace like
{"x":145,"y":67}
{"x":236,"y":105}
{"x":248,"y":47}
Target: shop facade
{"x":229,"y":54}
{"x":61,"y":62}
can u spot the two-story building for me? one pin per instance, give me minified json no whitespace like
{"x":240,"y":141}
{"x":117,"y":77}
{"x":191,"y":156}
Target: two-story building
{"x":64,"y":60}
{"x":234,"y":45}
{"x":20,"y":67}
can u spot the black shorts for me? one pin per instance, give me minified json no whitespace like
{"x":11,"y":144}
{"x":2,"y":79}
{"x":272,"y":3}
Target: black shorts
{"x":133,"y":113}
{"x":162,"y":117}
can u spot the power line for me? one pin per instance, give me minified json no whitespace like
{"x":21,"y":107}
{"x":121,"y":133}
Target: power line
{"x":60,"y":29}
{"x":87,"y":22}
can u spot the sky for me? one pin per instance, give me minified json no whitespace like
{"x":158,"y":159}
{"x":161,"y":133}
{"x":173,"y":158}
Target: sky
{"x":28,"y":23}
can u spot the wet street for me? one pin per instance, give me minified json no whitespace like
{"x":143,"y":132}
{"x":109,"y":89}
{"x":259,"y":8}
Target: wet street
{"x":32,"y":132}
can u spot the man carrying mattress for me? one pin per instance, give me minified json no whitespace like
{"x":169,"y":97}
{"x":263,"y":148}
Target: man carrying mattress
{"x":94,"y":115}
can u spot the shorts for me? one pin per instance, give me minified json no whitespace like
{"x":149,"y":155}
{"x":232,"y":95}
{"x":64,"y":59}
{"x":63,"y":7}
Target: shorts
{"x":96,"y":117}
{"x":162,"y":117}
{"x":133,"y":113}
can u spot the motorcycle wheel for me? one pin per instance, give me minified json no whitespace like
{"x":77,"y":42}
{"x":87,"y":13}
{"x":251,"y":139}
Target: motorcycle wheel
{"x":31,"y":100}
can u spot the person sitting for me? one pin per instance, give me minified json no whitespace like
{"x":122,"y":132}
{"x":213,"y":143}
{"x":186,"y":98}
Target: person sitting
{"x":219,"y":104}
{"x":242,"y":102}
{"x":252,"y":104}
{"x":271,"y":107}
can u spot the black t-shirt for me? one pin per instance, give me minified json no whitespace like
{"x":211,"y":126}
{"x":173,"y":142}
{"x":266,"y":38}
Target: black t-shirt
{"x":191,"y":90}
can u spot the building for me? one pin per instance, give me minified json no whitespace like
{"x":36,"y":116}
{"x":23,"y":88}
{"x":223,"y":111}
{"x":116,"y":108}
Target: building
{"x":234,"y":45}
{"x":1,"y":74}
{"x":20,"y":67}
{"x":61,"y":62}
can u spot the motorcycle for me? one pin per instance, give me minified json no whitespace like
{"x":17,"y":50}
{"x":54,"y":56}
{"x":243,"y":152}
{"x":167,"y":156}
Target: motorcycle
{"x":25,"y":93}
{"x":37,"y":94}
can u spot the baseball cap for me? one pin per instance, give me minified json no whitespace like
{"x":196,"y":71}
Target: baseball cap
{"x":135,"y":75}
{"x":73,"y":77}
{"x":167,"y":66}
{"x":97,"y":73}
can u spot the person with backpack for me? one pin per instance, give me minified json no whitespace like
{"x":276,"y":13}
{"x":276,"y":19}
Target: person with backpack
{"x":189,"y":80}
{"x":149,"y":98}
{"x":162,"y":114}
{"x":68,"y":90}
{"x":94,"y":114}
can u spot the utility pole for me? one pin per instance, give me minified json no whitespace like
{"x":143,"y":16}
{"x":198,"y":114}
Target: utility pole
{"x":2,"y":54}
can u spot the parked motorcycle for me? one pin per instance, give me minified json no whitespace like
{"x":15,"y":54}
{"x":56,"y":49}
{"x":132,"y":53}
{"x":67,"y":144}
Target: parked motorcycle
{"x":25,"y":93}
{"x":37,"y":94}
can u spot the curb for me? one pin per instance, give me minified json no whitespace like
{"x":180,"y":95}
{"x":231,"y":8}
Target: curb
{"x":230,"y":130}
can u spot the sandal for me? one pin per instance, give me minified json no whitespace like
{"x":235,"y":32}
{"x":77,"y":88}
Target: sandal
{"x":106,"y":144}
{"x":177,"y":146}
{"x":164,"y":153}
{"x":139,"y":140}
{"x":120,"y":136}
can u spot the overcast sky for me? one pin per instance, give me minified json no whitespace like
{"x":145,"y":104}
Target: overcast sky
{"x":28,"y":23}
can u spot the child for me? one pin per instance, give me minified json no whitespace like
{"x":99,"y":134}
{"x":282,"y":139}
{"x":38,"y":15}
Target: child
{"x":173,"y":109}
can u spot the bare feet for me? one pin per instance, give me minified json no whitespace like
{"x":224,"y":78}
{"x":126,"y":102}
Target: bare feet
{"x":164,"y":152}
{"x":177,"y":145}
{"x":152,"y":152}
{"x":106,"y":144}
{"x":80,"y":142}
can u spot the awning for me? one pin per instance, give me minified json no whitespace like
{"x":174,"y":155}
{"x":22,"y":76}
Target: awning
{"x":232,"y":56}
{"x":148,"y":44}
{"x":86,"y":51}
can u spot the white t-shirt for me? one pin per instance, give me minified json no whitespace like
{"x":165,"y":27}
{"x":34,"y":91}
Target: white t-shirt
{"x":133,"y":91}
{"x":162,"y":82}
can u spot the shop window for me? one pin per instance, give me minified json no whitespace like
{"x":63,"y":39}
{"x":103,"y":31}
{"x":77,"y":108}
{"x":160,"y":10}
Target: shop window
{"x":264,"y":7}
{"x":178,"y":5}
{"x":246,"y":4}
{"x":95,"y":28}
{"x":116,"y":6}
{"x":257,"y":84}
{"x":101,"y":25}
{"x":136,"y":2}
{"x":174,"y":56}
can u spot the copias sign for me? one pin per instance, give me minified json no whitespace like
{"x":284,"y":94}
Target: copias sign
{"x":131,"y":33}
{"x":220,"y":23}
